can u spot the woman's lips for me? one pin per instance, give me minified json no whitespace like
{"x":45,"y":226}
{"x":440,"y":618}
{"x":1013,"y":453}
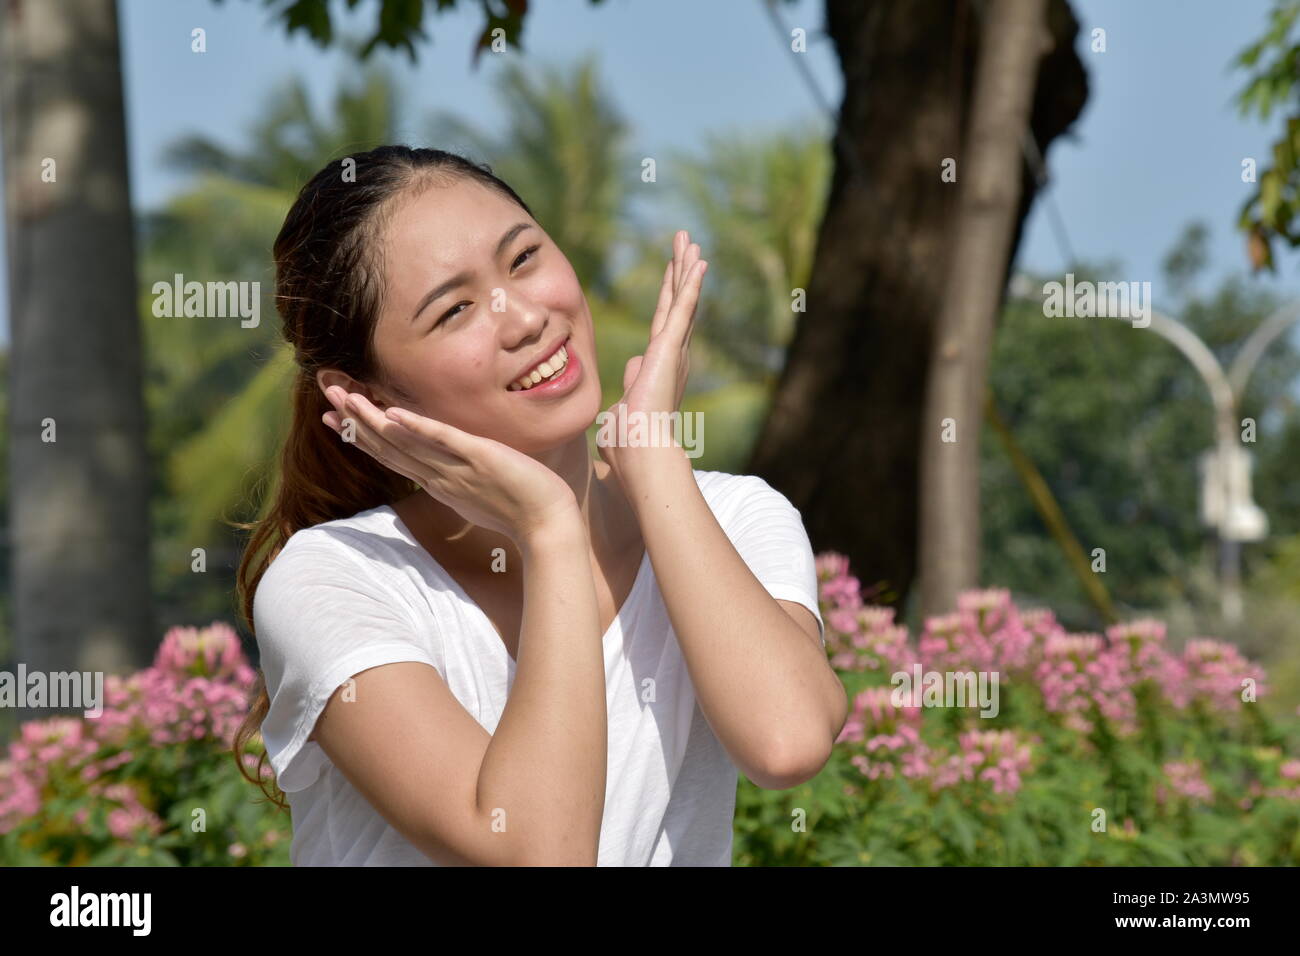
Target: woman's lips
{"x":564,"y":383}
{"x":536,"y":367}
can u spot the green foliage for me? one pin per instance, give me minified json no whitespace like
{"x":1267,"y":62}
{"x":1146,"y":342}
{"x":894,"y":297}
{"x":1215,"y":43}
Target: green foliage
{"x":1273,"y":81}
{"x":172,"y":782}
{"x":1048,"y":823}
{"x":760,"y":202}
{"x":399,"y":23}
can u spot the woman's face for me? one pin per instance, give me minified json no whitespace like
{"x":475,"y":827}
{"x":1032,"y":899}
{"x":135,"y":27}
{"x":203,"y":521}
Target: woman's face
{"x":505,"y":298}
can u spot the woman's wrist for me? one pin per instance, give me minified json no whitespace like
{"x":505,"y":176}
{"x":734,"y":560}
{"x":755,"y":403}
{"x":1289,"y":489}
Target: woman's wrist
{"x":640,"y":474}
{"x":562,"y":528}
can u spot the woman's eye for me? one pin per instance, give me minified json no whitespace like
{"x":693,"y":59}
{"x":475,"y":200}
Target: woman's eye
{"x":450,"y":313}
{"x":525,"y":256}
{"x":527,"y":252}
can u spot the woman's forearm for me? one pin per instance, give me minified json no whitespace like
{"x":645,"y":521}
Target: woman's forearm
{"x":767,"y":690}
{"x":545,"y":766}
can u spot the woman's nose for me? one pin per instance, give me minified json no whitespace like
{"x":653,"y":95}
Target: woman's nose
{"x":526,"y":315}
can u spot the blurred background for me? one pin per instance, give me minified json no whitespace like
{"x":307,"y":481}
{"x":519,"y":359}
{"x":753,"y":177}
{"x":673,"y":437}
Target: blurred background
{"x":862,"y":207}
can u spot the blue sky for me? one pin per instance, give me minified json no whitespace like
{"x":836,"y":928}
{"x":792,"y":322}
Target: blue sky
{"x":1159,"y":142}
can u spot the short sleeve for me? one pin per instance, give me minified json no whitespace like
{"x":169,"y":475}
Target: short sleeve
{"x":321,"y":616}
{"x":768,"y":533}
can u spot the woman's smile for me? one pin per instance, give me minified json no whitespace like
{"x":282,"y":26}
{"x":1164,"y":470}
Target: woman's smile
{"x":568,"y":377}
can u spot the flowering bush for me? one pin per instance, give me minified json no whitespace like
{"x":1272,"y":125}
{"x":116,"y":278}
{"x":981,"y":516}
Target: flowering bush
{"x":1104,"y":749}
{"x":151,"y":781}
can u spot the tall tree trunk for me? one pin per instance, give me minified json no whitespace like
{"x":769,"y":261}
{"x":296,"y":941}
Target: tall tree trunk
{"x":79,"y":520}
{"x":1013,"y":37}
{"x":851,"y":394}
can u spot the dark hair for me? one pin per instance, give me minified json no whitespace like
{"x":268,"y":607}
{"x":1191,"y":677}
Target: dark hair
{"x":328,"y":291}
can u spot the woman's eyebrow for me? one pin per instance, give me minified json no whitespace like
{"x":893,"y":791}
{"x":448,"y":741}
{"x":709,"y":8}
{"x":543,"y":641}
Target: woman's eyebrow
{"x":460,"y":278}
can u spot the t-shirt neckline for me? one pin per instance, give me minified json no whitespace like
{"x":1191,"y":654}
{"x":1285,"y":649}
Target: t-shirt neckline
{"x":463,"y":595}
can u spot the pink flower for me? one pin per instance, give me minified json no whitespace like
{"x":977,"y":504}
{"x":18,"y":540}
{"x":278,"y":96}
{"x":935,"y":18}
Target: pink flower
{"x":998,"y":757}
{"x":1139,"y":645}
{"x":1185,"y":779}
{"x":889,"y":735}
{"x":838,"y":587}
{"x":1216,"y":675}
{"x":985,"y":633}
{"x":871,"y":642}
{"x":132,"y":819}
{"x":198,"y":689}
{"x":212,"y":652}
{"x":1078,"y":671}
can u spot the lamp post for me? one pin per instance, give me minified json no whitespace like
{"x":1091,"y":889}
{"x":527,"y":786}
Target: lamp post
{"x":1226,"y":503}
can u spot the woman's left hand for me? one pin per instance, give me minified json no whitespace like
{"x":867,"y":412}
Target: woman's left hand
{"x":656,"y":380}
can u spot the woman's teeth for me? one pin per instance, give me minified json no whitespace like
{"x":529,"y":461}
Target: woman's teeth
{"x":549,"y":369}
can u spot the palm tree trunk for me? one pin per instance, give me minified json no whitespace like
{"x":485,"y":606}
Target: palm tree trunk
{"x":1014,"y":37}
{"x":78,"y":511}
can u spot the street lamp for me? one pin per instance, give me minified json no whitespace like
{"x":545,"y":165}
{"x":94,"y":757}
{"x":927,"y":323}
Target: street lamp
{"x":1225,"y":470}
{"x":1226,"y":503}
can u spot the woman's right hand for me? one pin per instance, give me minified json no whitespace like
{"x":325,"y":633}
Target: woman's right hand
{"x":485,"y":481}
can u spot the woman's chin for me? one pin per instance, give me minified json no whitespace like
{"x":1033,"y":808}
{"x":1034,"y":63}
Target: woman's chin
{"x":541,"y":441}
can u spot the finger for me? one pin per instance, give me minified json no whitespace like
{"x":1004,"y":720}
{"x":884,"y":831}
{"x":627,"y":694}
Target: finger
{"x":682,"y":313}
{"x":421,"y":472}
{"x":338,"y":397}
{"x":364,"y":411}
{"x":690,"y":256}
{"x":630,"y":371}
{"x":680,"y":241}
{"x":447,"y":439}
{"x":665,"y":301}
{"x":390,"y":433}
{"x":690,"y":326}
{"x":335,"y":396}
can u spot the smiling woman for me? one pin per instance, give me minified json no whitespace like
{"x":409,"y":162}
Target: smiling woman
{"x":464,"y":620}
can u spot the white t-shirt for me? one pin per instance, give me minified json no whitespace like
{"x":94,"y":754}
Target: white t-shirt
{"x":347,"y":595}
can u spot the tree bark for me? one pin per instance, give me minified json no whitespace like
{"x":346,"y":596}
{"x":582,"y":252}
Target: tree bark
{"x":79,"y":524}
{"x":851,"y":394}
{"x":988,"y":183}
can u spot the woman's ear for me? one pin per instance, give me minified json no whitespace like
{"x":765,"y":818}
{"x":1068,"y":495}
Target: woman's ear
{"x":328,"y":376}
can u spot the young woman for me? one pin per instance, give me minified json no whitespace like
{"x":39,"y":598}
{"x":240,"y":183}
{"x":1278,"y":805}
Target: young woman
{"x":479,"y":644}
